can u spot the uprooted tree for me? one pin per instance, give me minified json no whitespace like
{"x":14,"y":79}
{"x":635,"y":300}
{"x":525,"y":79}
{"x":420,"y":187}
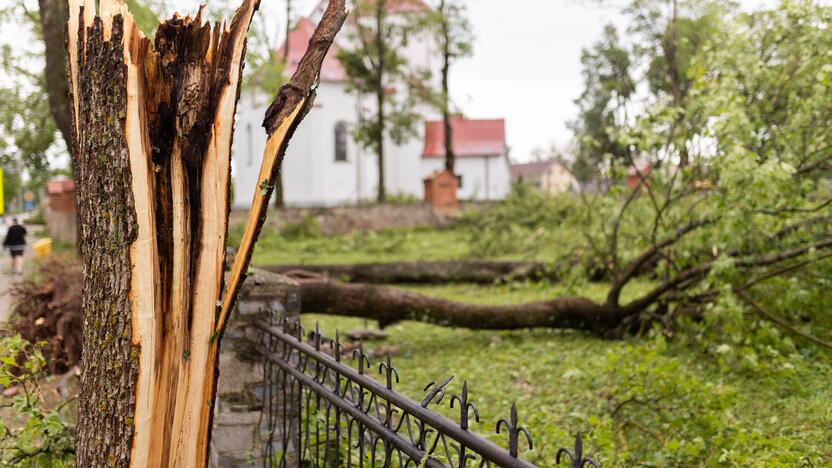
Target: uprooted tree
{"x":152,"y":137}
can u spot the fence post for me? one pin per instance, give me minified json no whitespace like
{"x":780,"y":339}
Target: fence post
{"x":239,"y":428}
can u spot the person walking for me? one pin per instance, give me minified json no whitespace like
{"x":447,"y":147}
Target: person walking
{"x":15,"y":241}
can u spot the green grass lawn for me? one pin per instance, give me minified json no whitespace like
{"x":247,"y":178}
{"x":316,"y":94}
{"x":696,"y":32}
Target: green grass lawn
{"x":643,"y":401}
{"x":390,"y":245}
{"x":565,"y":382}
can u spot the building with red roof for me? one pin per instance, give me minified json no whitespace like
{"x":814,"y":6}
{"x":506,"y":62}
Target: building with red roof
{"x":324,"y":165}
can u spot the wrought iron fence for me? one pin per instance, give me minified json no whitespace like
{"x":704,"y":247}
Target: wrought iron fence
{"x":321,"y":412}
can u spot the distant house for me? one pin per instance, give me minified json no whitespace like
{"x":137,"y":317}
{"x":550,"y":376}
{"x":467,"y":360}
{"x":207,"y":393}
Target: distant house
{"x":324,"y":166}
{"x":480,"y":151}
{"x":550,"y":176}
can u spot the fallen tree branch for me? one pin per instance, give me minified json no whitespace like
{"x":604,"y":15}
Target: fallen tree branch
{"x":435,"y":272}
{"x":390,"y":305}
{"x":780,"y":322}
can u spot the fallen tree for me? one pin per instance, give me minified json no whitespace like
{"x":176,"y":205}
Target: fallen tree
{"x":152,"y":127}
{"x":454,"y":271}
{"x":438,"y":272}
{"x":610,"y":318}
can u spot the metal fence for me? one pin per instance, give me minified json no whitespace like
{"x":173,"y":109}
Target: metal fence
{"x":321,"y":412}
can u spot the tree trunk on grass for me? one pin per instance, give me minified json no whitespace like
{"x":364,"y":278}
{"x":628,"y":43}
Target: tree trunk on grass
{"x":438,"y":272}
{"x":391,"y":305}
{"x":453,"y":271}
{"x":152,"y":140}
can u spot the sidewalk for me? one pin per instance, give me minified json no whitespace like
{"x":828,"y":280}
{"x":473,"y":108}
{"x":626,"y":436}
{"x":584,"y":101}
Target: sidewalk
{"x":6,"y":276}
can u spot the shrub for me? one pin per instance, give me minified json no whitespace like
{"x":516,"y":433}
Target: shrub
{"x":526,"y":222}
{"x":30,"y":433}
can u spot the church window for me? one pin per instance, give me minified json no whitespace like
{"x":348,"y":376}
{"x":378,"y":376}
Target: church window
{"x":340,"y":141}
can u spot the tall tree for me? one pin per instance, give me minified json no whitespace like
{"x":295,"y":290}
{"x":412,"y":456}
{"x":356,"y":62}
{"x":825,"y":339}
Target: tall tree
{"x":455,"y":38}
{"x":376,"y":68}
{"x":152,"y":127}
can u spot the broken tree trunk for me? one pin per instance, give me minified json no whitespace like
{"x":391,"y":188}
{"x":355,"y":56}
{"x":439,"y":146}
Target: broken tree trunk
{"x":152,"y":147}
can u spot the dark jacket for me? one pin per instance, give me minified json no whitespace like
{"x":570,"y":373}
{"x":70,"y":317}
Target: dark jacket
{"x":15,"y":236}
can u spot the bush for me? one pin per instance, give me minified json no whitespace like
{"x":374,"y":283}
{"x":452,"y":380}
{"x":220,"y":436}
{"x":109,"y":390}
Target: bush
{"x":526,"y":222}
{"x":305,"y":228}
{"x":30,"y":433}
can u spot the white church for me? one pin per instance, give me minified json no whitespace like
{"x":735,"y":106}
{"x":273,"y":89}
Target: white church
{"x":325,"y":167}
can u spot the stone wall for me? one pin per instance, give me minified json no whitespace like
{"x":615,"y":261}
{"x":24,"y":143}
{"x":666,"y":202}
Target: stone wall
{"x":370,"y":217}
{"x":239,"y":428}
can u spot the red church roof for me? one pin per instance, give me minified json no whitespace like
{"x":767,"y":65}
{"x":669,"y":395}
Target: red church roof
{"x":407,"y":6}
{"x":471,"y":138}
{"x":331,"y":70}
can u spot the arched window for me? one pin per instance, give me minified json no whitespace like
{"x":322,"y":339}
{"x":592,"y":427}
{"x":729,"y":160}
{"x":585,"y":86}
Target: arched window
{"x":340,"y":141}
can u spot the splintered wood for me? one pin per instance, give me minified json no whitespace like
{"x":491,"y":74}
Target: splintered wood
{"x":153,"y":122}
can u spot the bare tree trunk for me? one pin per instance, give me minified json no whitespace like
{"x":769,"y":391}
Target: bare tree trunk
{"x":380,"y":98}
{"x":53,"y":24}
{"x":152,"y":143}
{"x":450,"y":158}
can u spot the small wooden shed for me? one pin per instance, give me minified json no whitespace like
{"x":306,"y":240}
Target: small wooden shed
{"x":440,"y":190}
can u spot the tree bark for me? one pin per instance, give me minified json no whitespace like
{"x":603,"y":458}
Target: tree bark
{"x":391,"y":305}
{"x":152,"y":140}
{"x":53,"y":24}
{"x":380,"y":99}
{"x":450,"y":158}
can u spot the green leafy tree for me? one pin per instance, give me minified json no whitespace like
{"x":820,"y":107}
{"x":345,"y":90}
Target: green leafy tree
{"x":375,"y":68}
{"x":455,"y":38}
